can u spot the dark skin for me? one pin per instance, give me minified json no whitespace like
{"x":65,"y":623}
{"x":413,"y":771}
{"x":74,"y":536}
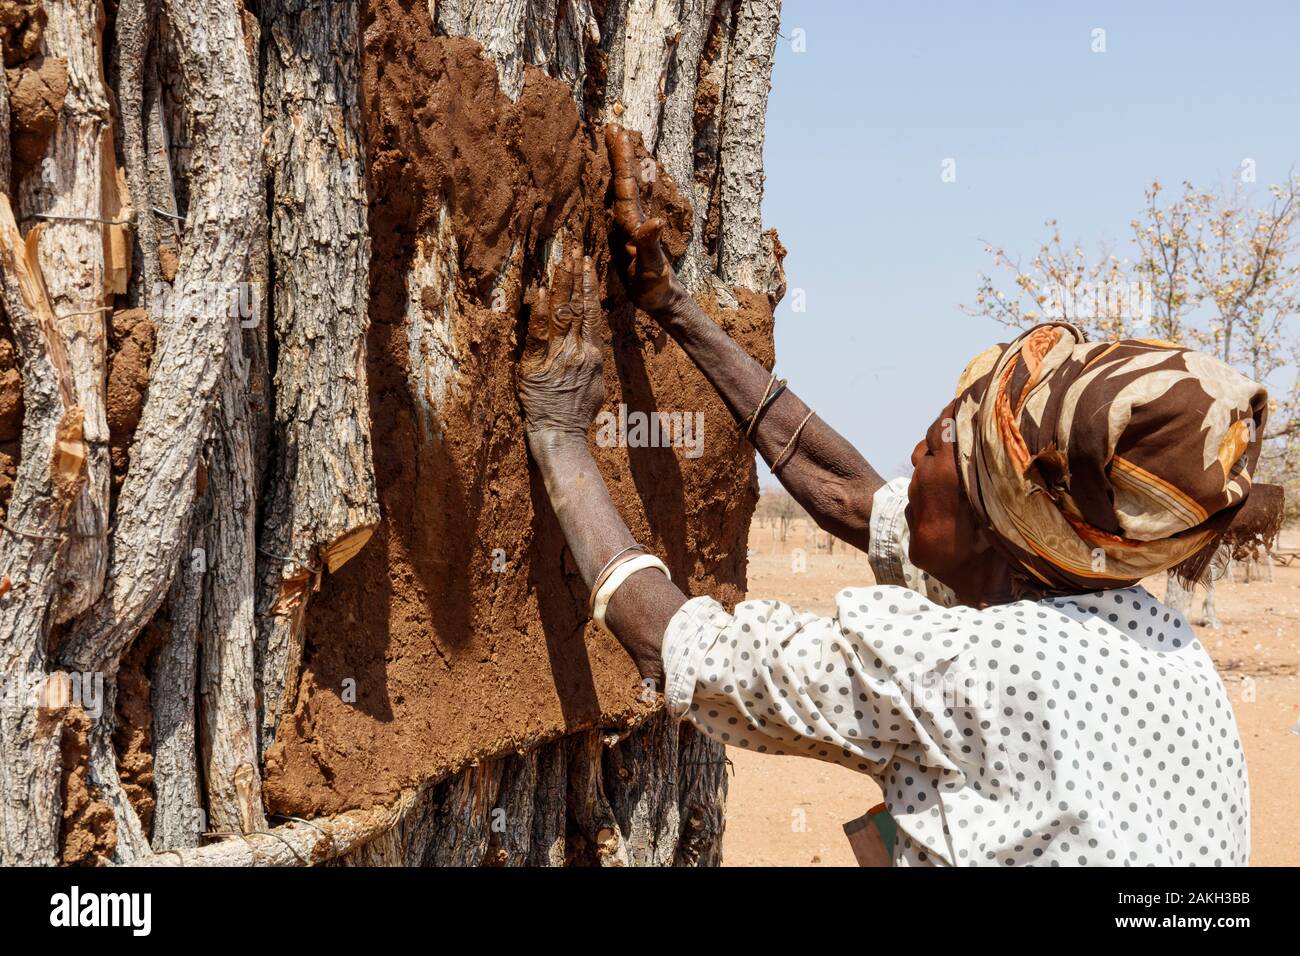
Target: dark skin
{"x":561,"y":387}
{"x":946,"y":538}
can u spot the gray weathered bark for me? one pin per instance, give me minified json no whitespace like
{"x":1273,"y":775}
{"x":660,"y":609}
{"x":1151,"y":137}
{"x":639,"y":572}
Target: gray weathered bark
{"x":749,"y":78}
{"x":228,"y":629}
{"x":157,"y":497}
{"x":73,"y":191}
{"x":178,"y":816}
{"x":322,"y":502}
{"x":50,"y":476}
{"x":154,"y":506}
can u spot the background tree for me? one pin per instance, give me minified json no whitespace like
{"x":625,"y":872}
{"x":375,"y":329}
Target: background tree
{"x":1217,"y":270}
{"x":779,"y":509}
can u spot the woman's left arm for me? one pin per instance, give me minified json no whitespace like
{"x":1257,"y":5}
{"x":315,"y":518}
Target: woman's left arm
{"x":561,"y":387}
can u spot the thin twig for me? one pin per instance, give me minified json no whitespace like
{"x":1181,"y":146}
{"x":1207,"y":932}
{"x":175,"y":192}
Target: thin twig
{"x":63,"y":534}
{"x":288,"y":560}
{"x":50,"y":215}
{"x":32,"y":534}
{"x":101,"y":309}
{"x":228,"y":834}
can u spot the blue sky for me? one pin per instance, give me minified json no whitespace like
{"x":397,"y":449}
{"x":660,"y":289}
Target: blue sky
{"x":1039,"y":126}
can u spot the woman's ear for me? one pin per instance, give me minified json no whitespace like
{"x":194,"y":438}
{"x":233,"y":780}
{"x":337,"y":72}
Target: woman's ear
{"x":990,"y":578}
{"x":983,"y":543}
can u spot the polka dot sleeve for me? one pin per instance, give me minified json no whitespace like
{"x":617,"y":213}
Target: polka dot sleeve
{"x":1089,"y":730}
{"x":774,"y":680}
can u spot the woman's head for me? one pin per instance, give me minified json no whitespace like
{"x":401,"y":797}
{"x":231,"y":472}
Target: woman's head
{"x":1069,"y":466}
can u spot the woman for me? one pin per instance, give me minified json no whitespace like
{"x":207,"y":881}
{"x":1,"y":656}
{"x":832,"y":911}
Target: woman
{"x":1016,"y":693}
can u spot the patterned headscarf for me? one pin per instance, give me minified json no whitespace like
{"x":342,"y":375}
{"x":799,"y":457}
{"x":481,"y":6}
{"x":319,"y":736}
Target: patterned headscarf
{"x":1096,"y":464}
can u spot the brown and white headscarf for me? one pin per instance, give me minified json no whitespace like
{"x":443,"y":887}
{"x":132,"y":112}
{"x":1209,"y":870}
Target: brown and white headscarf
{"x":1096,"y":464}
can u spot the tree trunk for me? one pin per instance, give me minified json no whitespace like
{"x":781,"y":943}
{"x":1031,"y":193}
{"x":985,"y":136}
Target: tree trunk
{"x":322,"y":502}
{"x":196,"y":519}
{"x":73,"y":192}
{"x":48,"y":482}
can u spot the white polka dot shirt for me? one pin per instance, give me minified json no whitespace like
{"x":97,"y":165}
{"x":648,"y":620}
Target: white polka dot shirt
{"x":1083,"y":731}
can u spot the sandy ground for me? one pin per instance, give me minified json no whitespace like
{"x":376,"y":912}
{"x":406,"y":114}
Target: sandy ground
{"x":787,"y":811}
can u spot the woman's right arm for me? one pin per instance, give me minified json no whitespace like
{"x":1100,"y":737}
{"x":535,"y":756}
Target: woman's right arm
{"x":822,"y":471}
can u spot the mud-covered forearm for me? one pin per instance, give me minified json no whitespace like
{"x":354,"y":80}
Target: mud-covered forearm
{"x":823,"y":471}
{"x":640,"y":610}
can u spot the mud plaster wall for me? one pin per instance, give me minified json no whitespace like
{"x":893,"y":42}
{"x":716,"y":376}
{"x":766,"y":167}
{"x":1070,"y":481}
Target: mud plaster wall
{"x":451,"y":656}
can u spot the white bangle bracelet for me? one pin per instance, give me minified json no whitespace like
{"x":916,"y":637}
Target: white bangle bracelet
{"x":615,"y":580}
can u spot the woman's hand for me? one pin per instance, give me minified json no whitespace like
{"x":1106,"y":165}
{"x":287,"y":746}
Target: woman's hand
{"x":560,"y":380}
{"x":823,"y":472}
{"x":561,"y":386}
{"x":651,"y":283}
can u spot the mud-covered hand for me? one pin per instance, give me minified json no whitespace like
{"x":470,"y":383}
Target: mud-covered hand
{"x":651,"y":283}
{"x":561,"y":388}
{"x":560,"y":379}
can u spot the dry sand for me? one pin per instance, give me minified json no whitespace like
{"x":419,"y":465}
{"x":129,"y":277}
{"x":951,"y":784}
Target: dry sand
{"x":787,"y":811}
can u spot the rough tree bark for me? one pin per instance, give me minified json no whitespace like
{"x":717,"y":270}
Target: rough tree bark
{"x":228,"y":630}
{"x":322,"y":504}
{"x":49,"y":479}
{"x":242,"y":163}
{"x":178,"y":816}
{"x":73,"y":191}
{"x":155,"y":504}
